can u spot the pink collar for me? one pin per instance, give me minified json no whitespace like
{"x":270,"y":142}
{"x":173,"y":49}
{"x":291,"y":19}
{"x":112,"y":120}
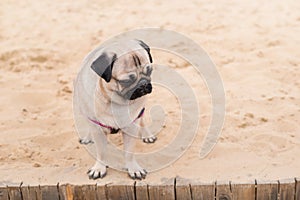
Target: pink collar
{"x":112,"y":129}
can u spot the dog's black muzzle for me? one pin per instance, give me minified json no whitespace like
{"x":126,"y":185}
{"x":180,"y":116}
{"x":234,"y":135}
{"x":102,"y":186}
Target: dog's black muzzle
{"x":143,"y":87}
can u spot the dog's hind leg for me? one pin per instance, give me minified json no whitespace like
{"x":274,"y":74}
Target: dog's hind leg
{"x":147,"y":136}
{"x":87,"y":139}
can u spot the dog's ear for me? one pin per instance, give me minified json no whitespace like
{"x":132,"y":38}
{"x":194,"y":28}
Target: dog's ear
{"x":147,"y":48}
{"x":103,"y":65}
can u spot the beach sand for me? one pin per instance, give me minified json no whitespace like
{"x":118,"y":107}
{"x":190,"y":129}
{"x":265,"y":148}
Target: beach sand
{"x":255,"y":46}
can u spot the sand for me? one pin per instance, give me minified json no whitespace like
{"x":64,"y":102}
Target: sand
{"x":255,"y":46}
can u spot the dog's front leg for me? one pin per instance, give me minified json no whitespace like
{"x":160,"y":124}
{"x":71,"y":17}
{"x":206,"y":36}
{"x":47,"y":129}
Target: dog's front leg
{"x":100,"y":140}
{"x":135,"y":171}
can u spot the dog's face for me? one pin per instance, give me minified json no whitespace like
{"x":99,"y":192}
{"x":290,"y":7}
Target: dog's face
{"x":129,"y":74}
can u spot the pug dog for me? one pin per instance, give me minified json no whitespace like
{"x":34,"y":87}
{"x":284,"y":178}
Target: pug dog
{"x":109,"y":95}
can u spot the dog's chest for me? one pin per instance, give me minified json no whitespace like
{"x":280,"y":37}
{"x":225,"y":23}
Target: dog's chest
{"x":117,"y":115}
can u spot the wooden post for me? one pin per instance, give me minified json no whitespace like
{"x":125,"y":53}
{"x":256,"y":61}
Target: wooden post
{"x":66,"y":192}
{"x":243,"y":191}
{"x":287,"y":189}
{"x":223,"y":191}
{"x":14,"y":193}
{"x":49,"y":192}
{"x":297,"y":188}
{"x":26,"y":193}
{"x":84,"y":192}
{"x":267,"y":190}
{"x":162,"y":191}
{"x":202,"y":191}
{"x":30,"y":192}
{"x":183,"y":189}
{"x":100,"y":191}
{"x":3,"y":193}
{"x":120,"y":191}
{"x":141,"y":190}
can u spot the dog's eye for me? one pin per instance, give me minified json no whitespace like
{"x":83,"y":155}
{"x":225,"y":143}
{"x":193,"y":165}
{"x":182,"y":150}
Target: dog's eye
{"x":132,"y":77}
{"x":147,"y":70}
{"x":126,"y":82}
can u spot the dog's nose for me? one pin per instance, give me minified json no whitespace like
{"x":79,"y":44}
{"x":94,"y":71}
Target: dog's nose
{"x":148,"y":88}
{"x":145,"y":85}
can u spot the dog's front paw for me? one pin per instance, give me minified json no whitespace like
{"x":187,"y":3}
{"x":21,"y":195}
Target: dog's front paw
{"x":150,"y":139}
{"x":97,"y":171}
{"x":135,"y":171}
{"x":86,"y":140}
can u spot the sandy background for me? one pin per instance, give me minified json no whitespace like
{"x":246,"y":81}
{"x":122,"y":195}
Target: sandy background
{"x":254,"y":44}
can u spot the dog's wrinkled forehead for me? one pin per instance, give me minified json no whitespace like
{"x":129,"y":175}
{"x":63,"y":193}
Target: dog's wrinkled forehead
{"x":131,"y":61}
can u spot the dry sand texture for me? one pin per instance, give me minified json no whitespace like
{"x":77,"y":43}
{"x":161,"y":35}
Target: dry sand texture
{"x":254,"y":44}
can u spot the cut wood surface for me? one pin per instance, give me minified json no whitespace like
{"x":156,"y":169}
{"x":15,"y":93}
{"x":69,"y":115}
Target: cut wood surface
{"x":177,"y":188}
